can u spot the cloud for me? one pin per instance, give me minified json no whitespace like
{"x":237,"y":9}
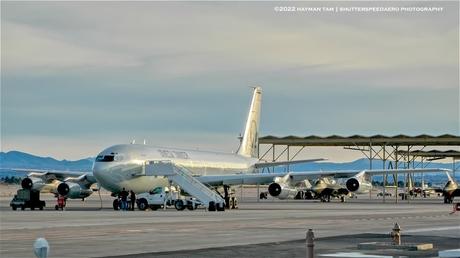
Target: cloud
{"x":72,"y":70}
{"x":229,"y":38}
{"x":33,"y":49}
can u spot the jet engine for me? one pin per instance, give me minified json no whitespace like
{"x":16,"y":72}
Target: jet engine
{"x":73,"y":190}
{"x":32,"y":183}
{"x":353,"y":184}
{"x":358,"y":184}
{"x":282,"y":191}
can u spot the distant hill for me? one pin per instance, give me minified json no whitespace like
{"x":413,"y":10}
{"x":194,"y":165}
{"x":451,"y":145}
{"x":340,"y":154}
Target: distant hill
{"x":361,"y":164}
{"x":17,"y":159}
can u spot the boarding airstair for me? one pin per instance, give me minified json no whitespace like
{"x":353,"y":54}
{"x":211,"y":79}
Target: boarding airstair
{"x":183,"y":177}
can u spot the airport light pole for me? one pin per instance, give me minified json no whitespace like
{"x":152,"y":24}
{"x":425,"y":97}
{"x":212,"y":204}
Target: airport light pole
{"x":310,"y":243}
{"x":385,"y":175}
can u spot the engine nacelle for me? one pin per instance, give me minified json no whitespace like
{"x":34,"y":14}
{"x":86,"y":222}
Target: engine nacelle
{"x":281,"y":191}
{"x":73,"y":190}
{"x":352,"y":184}
{"x":358,"y":185}
{"x":32,"y":183}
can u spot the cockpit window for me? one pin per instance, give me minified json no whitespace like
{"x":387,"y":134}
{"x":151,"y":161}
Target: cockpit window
{"x":105,"y":158}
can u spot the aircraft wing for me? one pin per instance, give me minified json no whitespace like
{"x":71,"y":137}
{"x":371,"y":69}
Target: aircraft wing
{"x":238,"y":179}
{"x":280,"y":163}
{"x":265,"y":178}
{"x":61,"y":175}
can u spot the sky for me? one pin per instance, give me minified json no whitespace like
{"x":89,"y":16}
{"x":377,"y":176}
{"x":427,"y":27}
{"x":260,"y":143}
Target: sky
{"x":78,"y":77}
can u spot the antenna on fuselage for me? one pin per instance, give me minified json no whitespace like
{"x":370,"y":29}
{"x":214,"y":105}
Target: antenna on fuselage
{"x":240,"y":139}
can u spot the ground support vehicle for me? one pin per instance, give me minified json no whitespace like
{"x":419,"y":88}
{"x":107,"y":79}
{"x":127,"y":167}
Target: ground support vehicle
{"x":26,"y":198}
{"x":162,"y":197}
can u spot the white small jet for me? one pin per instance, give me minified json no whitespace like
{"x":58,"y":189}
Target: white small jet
{"x":141,"y":168}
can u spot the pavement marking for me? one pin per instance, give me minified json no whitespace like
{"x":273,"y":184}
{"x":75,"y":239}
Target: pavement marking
{"x":354,"y":254}
{"x":400,"y":217}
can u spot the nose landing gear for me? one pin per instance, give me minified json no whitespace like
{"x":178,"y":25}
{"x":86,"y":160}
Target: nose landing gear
{"x":116,"y":204}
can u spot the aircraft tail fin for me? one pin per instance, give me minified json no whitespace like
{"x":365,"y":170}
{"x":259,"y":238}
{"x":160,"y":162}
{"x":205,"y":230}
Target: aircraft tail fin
{"x":250,"y":141}
{"x":450,"y":178}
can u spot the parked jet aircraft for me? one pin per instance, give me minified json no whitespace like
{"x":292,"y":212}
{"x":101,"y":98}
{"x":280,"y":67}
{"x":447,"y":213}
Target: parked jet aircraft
{"x":141,"y":168}
{"x":451,"y":189}
{"x":327,"y":187}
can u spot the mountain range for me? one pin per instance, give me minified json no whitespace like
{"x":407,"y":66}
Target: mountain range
{"x":17,"y":159}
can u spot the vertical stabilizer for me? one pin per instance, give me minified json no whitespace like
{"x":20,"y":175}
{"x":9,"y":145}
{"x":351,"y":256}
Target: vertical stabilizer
{"x":450,"y":178}
{"x":249,"y":143}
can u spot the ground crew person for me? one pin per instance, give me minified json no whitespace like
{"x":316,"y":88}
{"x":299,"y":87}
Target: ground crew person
{"x":133,"y":199}
{"x":124,"y":199}
{"x":60,"y":202}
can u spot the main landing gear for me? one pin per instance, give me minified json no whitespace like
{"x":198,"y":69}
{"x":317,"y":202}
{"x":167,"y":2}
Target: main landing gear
{"x":231,"y":202}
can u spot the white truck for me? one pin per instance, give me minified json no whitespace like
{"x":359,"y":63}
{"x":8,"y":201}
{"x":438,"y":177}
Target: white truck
{"x":162,"y":197}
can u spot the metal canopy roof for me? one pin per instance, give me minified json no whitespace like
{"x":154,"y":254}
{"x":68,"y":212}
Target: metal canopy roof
{"x":359,"y":140}
{"x":433,"y":153}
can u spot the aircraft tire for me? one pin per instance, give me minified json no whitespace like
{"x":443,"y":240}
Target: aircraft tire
{"x":447,"y":200}
{"x":220,"y":207}
{"x":212,"y":206}
{"x":115,"y":205}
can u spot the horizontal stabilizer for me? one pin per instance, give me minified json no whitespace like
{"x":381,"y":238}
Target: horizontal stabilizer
{"x":280,"y":163}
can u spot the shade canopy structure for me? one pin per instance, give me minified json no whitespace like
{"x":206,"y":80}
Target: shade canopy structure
{"x":398,"y":151}
{"x":433,"y":154}
{"x":359,"y":140}
{"x":401,"y":149}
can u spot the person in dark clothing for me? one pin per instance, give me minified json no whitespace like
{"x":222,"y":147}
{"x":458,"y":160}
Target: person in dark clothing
{"x":124,"y":199}
{"x":133,"y":199}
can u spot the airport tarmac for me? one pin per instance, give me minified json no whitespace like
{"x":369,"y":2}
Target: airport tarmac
{"x":270,"y":228}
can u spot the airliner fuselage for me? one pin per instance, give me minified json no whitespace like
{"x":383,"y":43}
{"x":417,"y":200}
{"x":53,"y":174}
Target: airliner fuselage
{"x":122,"y":166}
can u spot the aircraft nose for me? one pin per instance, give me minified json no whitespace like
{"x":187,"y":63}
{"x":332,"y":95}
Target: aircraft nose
{"x":100,"y":172}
